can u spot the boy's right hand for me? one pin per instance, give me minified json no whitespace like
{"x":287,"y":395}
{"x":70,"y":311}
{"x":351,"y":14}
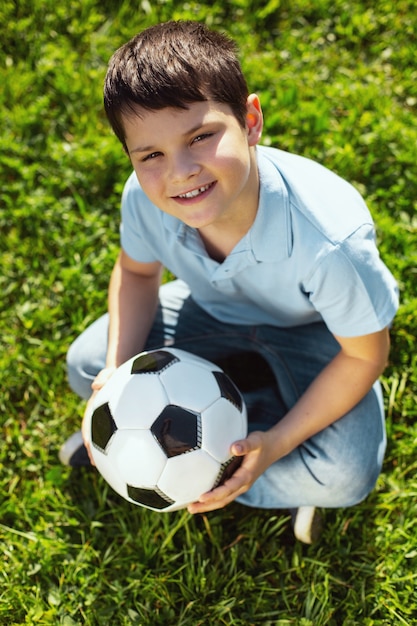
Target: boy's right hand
{"x":99,"y":382}
{"x":102,"y":377}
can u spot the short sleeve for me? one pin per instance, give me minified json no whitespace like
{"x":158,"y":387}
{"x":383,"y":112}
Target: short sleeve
{"x":134,"y":233}
{"x":351,"y":287}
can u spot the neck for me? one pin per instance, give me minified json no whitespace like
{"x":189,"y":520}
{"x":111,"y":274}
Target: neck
{"x":219,"y":240}
{"x":222,"y":236}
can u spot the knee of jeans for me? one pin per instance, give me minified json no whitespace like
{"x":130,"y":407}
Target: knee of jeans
{"x":78,"y":378}
{"x":346,"y":479}
{"x":358,"y":482}
{"x":361,"y":467}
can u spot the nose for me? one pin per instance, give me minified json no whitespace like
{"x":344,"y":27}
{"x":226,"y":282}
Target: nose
{"x":183,"y":166}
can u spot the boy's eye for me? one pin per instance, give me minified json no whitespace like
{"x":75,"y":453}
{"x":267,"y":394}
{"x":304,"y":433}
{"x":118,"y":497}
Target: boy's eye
{"x":202,"y":137}
{"x":151,"y":156}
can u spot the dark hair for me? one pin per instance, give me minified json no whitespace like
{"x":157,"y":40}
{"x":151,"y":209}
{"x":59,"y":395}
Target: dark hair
{"x":172,"y":65}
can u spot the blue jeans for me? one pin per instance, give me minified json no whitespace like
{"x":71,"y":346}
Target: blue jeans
{"x":272,"y":366}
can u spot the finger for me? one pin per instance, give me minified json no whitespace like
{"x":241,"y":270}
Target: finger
{"x":90,"y":456}
{"x":200,"y":507}
{"x":216,"y":499}
{"x":238,"y":448}
{"x":220,"y":496}
{"x":85,"y":428}
{"x":87,"y":443}
{"x":244,"y":446}
{"x":210,"y":504}
{"x":102,"y":377}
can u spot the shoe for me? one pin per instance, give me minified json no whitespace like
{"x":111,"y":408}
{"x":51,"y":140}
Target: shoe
{"x":307,"y":523}
{"x":73,"y":452}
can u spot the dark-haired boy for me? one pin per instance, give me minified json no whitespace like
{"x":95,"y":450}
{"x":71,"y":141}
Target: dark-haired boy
{"x":275,"y":257}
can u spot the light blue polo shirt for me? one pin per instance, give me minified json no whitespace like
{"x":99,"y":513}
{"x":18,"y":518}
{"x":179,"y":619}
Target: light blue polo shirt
{"x":310,"y":254}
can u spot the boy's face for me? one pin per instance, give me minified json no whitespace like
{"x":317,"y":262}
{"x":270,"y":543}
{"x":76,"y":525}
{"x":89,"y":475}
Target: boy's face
{"x":197,"y":164}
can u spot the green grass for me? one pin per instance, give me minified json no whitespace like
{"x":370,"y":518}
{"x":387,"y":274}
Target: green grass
{"x":338,"y":81}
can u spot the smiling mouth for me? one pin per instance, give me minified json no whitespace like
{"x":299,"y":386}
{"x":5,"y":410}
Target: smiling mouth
{"x":195,"y":192}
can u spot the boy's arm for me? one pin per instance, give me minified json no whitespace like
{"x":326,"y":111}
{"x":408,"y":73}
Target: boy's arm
{"x":335,"y":391}
{"x":132,"y":304}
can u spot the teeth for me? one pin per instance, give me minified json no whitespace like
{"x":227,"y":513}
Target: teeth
{"x":193,"y":194}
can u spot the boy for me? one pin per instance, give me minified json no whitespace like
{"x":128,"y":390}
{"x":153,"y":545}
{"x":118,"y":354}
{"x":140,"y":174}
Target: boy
{"x":274,"y":256}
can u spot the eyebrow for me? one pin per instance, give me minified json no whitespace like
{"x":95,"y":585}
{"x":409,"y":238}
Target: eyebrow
{"x":142,"y":149}
{"x":192,"y":130}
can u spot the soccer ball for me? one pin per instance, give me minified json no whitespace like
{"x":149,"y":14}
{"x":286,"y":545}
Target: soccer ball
{"x":161,"y":428}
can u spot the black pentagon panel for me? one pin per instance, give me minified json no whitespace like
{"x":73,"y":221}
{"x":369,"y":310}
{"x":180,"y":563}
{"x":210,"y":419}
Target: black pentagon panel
{"x":227,"y":469}
{"x":103,"y":427}
{"x":228,"y":389}
{"x":153,"y":362}
{"x":153,"y":498}
{"x":177,"y":430}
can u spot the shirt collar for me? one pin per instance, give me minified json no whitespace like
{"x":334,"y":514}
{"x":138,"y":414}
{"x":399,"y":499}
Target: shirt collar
{"x":270,"y":235}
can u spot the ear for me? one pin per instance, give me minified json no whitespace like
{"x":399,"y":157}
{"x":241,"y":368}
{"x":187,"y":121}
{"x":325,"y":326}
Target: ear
{"x":254,"y":119}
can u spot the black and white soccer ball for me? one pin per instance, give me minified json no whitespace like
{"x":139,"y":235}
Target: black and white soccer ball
{"x":162,"y":426}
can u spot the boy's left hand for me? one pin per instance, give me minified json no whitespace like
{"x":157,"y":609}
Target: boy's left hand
{"x":256,"y":453}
